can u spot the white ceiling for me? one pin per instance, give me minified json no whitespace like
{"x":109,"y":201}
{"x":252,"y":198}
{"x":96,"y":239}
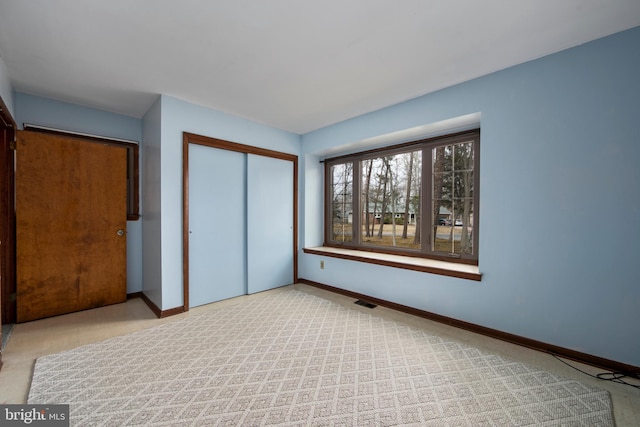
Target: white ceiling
{"x":297,"y":65}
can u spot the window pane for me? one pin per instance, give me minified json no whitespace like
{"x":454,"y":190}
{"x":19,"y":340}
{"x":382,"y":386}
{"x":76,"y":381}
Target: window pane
{"x":463,"y":187}
{"x":390,"y":200}
{"x":452,"y":198}
{"x":445,"y":152}
{"x":341,"y":202}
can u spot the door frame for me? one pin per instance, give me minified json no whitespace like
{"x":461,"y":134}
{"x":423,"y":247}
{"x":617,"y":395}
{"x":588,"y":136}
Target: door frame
{"x":191,"y":138}
{"x":7,"y":218}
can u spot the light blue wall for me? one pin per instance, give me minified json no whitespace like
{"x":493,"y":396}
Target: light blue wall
{"x":6,"y":90}
{"x":151,"y":207}
{"x":71,"y":117}
{"x":178,"y":116}
{"x":559,"y":202}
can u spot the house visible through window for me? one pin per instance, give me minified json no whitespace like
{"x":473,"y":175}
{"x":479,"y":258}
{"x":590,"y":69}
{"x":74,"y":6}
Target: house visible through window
{"x":417,"y":199}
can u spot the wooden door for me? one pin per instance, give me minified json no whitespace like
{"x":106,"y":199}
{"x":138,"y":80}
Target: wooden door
{"x":71,"y":211}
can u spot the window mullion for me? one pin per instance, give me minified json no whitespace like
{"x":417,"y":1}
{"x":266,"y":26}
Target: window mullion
{"x":356,"y":202}
{"x":426,"y":202}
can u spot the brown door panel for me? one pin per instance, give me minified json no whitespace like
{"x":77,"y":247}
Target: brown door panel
{"x":71,"y":211}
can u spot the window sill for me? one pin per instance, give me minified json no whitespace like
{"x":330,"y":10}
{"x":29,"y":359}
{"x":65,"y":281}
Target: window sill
{"x":444,"y":268}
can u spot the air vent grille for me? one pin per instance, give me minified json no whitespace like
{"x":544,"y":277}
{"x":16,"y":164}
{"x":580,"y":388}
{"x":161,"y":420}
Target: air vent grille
{"x":365,"y":304}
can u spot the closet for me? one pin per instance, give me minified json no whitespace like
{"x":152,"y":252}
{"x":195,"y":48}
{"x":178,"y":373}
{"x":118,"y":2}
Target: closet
{"x":240,"y":210}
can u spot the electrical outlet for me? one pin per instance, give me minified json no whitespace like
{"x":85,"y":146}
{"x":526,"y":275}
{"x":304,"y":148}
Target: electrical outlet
{"x":321,"y":265}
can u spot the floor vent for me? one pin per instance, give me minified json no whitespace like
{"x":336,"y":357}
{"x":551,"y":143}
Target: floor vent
{"x":365,"y":304}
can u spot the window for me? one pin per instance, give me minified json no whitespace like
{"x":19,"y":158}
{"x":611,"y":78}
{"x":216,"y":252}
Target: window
{"x":417,"y":199}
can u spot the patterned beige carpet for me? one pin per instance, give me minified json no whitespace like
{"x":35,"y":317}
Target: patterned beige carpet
{"x":294,"y":359}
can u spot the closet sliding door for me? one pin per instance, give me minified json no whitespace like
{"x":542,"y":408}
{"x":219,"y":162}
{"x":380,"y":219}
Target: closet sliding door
{"x":240,"y":229}
{"x":269,"y":223}
{"x":217,"y":205}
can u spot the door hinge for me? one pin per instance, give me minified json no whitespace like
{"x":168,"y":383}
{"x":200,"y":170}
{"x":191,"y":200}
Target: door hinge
{"x":12,"y":297}
{"x":12,"y":145}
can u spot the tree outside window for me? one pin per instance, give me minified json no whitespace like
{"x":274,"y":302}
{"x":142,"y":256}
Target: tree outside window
{"x":418,"y":198}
